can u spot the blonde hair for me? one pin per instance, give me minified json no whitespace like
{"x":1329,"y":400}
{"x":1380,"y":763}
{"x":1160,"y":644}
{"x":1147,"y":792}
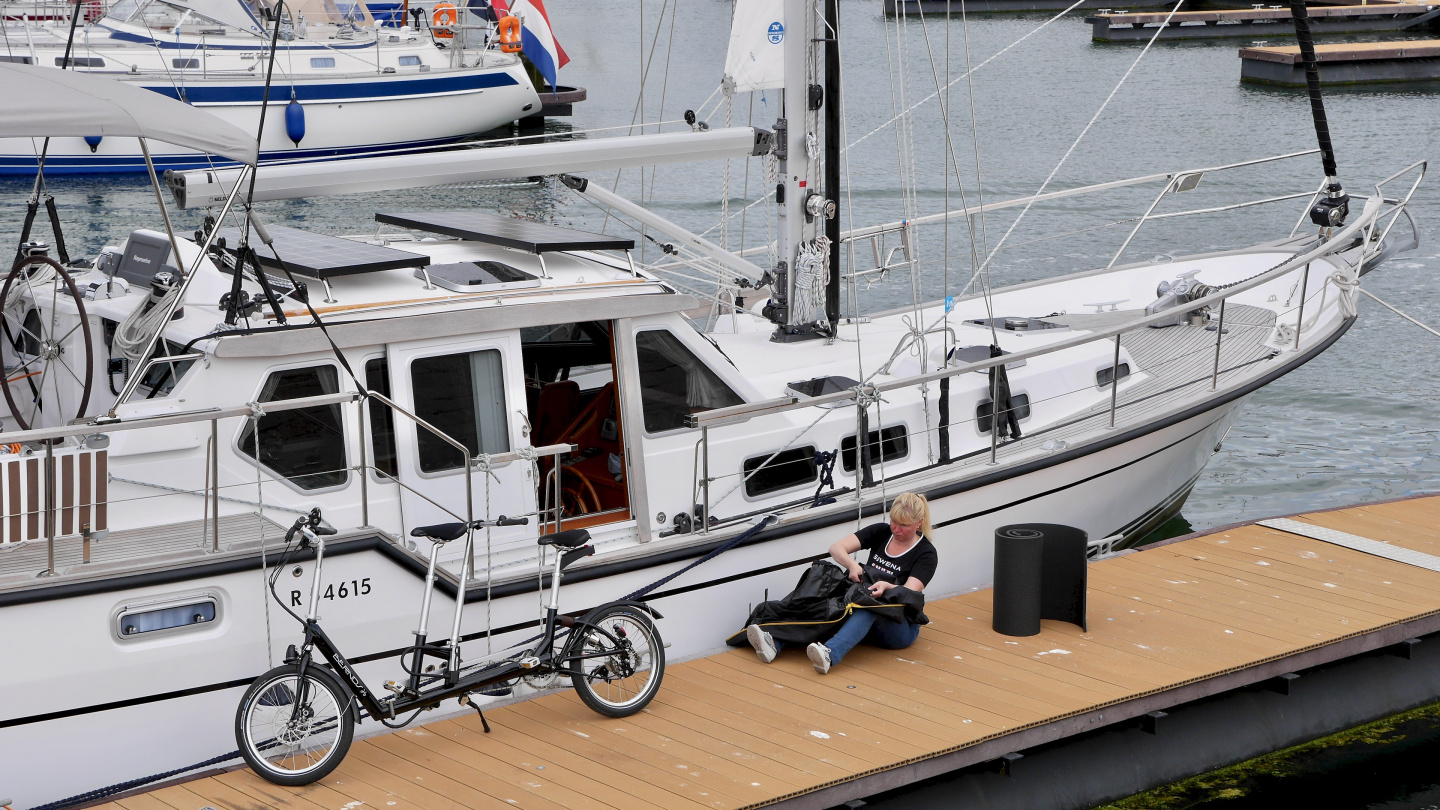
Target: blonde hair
{"x":911,"y":507}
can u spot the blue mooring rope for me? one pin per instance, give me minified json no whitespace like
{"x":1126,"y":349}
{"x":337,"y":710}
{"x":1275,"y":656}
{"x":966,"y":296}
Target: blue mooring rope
{"x":746,"y":535}
{"x":101,"y":793}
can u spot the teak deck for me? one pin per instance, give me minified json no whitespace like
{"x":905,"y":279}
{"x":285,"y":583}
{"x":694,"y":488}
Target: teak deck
{"x":1172,"y":623}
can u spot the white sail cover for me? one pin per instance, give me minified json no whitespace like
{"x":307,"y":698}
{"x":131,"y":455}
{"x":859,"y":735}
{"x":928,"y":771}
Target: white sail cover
{"x":756,"y":58}
{"x":37,"y":102}
{"x":229,"y":12}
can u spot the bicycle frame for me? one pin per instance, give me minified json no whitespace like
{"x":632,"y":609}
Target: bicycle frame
{"x":417,"y":694}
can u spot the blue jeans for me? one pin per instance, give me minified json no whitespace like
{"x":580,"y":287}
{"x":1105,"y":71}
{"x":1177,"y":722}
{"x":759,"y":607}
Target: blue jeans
{"x":864,"y":626}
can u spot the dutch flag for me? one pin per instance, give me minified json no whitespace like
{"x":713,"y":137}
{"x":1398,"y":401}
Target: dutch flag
{"x":541,"y":46}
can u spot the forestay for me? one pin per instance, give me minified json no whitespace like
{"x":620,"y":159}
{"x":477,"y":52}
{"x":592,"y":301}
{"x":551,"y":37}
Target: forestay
{"x":43,"y":102}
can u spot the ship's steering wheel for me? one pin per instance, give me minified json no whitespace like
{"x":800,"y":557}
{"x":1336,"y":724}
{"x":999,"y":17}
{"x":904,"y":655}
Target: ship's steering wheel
{"x":42,"y":380}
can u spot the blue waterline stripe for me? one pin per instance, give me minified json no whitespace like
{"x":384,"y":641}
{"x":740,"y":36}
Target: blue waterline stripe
{"x":24,"y":165}
{"x":348,"y":91}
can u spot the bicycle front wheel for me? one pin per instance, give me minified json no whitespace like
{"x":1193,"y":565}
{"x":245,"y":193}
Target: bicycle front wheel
{"x":293,"y":730}
{"x":618,"y":662}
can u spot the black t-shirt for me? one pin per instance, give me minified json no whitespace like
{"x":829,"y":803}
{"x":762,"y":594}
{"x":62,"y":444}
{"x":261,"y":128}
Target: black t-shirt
{"x":919,"y":562}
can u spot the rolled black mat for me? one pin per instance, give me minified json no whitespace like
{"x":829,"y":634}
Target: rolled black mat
{"x":1019,"y":571}
{"x":1040,"y":573}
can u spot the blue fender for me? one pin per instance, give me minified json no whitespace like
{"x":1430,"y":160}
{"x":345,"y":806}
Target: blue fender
{"x":93,"y":141}
{"x":295,"y":121}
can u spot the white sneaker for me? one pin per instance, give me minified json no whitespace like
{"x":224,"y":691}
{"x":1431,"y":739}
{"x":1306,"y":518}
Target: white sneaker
{"x":763,"y":643}
{"x":819,"y":656}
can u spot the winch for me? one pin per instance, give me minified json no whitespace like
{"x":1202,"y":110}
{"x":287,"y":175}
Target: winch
{"x":1173,"y":295}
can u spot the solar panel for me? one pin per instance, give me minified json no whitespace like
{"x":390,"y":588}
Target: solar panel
{"x":320,"y":256}
{"x":531,"y":237}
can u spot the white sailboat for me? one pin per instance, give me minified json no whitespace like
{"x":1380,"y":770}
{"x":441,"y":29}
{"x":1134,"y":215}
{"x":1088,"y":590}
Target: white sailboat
{"x":342,"y":84}
{"x":437,"y":368}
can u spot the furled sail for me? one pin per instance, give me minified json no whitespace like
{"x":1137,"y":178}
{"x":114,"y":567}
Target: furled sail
{"x":756,"y":57}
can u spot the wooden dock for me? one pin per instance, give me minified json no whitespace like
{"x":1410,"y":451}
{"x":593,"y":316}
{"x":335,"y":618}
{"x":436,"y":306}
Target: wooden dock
{"x":1259,"y":23}
{"x":1191,"y":618}
{"x":1345,"y":63}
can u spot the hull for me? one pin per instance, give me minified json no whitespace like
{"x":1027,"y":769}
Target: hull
{"x":173,"y":703}
{"x":357,"y":117}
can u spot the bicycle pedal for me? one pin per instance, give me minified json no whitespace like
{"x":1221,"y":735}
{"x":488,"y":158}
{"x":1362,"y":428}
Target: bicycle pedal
{"x":529,"y":662}
{"x":394,"y":687}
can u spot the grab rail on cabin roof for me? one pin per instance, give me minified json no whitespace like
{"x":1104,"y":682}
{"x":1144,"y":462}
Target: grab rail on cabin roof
{"x":1337,"y":242}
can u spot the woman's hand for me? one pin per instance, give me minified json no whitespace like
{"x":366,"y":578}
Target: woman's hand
{"x":880,"y":588}
{"x":840,"y":552}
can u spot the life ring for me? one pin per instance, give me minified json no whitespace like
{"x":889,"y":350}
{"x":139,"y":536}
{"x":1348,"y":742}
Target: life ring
{"x":442,"y":18}
{"x":510,"y":34}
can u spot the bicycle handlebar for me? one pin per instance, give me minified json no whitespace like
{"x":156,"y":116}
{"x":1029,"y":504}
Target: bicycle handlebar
{"x":310,"y":525}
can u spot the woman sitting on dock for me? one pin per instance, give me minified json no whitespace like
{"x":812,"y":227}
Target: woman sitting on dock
{"x":901,"y":554}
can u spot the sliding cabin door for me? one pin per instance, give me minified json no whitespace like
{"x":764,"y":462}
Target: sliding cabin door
{"x":472,"y":389}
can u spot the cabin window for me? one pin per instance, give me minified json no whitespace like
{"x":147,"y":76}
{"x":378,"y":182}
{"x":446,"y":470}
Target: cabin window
{"x":159,"y":380}
{"x":886,"y":444}
{"x":307,"y":445}
{"x":322,"y":61}
{"x":409,"y":61}
{"x":80,"y":61}
{"x":162,"y":377}
{"x":17,"y":60}
{"x":185,"y":64}
{"x":1106,"y":375}
{"x":1019,"y":403}
{"x":789,"y":469}
{"x":674,"y":383}
{"x":382,"y":418}
{"x":159,"y":618}
{"x":464,"y":396}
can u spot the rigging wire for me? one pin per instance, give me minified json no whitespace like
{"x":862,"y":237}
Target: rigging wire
{"x":1083,"y":133}
{"x":979,"y":184}
{"x":639,"y":109}
{"x":992,"y":58}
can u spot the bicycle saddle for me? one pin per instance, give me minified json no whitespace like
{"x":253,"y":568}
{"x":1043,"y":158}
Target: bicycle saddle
{"x":573,"y":538}
{"x":440,"y":532}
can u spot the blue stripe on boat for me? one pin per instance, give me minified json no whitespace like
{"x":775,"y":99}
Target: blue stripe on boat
{"x":349,"y":90}
{"x":24,"y":165}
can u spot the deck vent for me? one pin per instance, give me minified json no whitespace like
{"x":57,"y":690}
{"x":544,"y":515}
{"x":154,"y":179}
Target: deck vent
{"x":975,"y":354}
{"x":482,"y":276}
{"x":820,"y":386}
{"x":1018,"y":324}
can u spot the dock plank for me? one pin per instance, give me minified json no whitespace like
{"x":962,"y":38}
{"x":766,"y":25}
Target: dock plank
{"x":730,"y":732}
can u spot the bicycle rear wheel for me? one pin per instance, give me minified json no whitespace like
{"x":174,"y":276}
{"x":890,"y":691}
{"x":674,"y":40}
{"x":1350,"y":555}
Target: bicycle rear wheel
{"x":293,"y":731}
{"x":618,"y":671}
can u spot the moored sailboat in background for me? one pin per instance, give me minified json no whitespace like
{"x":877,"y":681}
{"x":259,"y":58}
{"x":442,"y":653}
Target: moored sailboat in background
{"x":341,"y":85}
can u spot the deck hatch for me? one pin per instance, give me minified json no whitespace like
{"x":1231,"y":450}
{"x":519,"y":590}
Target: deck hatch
{"x":472,"y":276}
{"x":519,"y":234}
{"x":322,"y":256}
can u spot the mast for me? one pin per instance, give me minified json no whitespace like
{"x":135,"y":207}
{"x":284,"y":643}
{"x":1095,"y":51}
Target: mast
{"x":793,"y":306}
{"x":831,"y":102}
{"x":1331,"y":211}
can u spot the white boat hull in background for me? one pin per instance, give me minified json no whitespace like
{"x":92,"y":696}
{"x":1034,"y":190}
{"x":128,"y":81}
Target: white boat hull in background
{"x":366,"y":115}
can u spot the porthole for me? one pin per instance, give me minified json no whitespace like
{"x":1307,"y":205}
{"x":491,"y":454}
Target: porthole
{"x":1019,"y":403}
{"x":786,"y":470}
{"x":165,"y":617}
{"x":1106,"y":375}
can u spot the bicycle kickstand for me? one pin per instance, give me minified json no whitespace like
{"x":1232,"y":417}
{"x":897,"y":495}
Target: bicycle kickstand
{"x":466,"y":701}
